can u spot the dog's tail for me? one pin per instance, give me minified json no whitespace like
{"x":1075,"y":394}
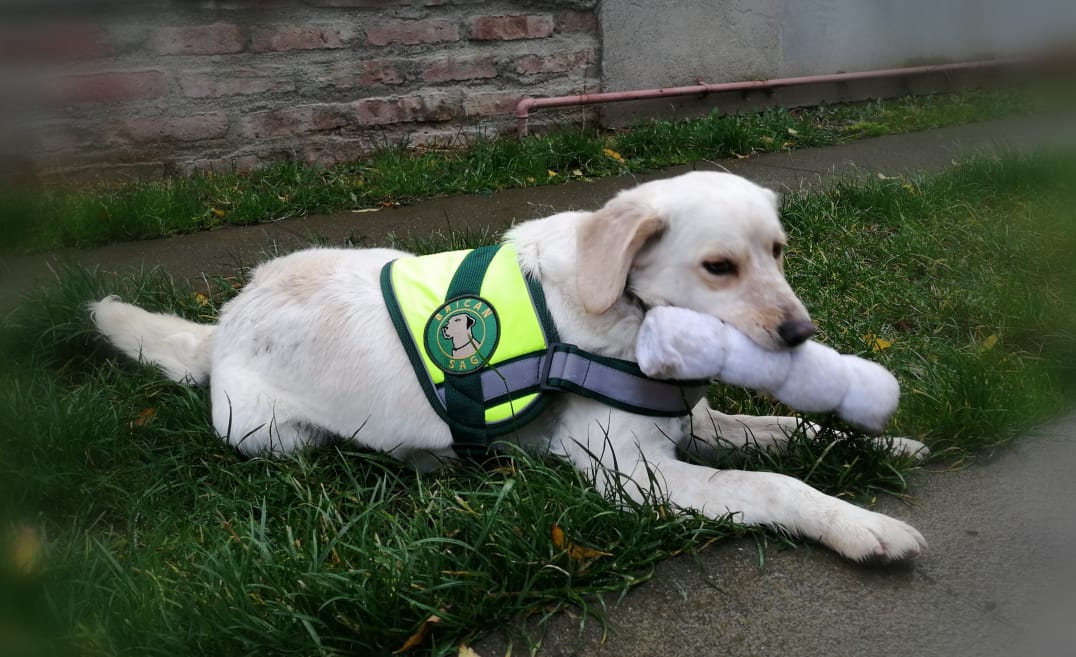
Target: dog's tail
{"x":182,"y":349}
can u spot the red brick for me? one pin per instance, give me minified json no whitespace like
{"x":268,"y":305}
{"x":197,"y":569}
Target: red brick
{"x":59,"y":42}
{"x":228,"y":164}
{"x":292,"y":121}
{"x":489,"y":104}
{"x":357,"y":3}
{"x":108,"y":87}
{"x":215,"y":39}
{"x":434,"y":30}
{"x":462,"y":68}
{"x":197,"y":127}
{"x":234,"y":82}
{"x":332,"y":150}
{"x":576,"y":21}
{"x":280,"y":38}
{"x":407,"y":109}
{"x":509,"y":28}
{"x":558,"y":63}
{"x":352,"y":73}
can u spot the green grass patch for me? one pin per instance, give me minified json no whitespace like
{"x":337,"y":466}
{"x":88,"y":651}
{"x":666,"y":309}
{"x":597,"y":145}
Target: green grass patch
{"x":148,"y":536}
{"x":62,"y":216}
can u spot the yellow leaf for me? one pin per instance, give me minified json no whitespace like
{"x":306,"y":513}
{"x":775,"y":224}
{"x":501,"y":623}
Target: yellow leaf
{"x":877,"y":343}
{"x":419,"y":636}
{"x":144,"y":417}
{"x":793,"y":131}
{"x":576,"y":552}
{"x":990,"y":342}
{"x":530,"y":179}
{"x":217,"y":212}
{"x":27,"y":548}
{"x":613,"y":154}
{"x":551,"y":172}
{"x":202,"y":299}
{"x":467,"y":651}
{"x":578,"y":173}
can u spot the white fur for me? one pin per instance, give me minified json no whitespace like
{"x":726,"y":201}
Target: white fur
{"x":307,"y":353}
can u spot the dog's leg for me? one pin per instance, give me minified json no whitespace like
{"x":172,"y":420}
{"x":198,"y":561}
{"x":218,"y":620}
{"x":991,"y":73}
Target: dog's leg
{"x":646,"y":468}
{"x":712,"y":429}
{"x":256,"y":420}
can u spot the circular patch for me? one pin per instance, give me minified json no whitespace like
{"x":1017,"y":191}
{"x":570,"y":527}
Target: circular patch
{"x":462,"y":334}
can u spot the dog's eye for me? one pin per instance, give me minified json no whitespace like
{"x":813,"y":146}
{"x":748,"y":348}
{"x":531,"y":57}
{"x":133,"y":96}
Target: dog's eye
{"x":778,"y":249}
{"x":720,"y":267}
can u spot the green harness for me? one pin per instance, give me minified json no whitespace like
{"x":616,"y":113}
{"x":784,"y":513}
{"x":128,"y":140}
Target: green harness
{"x":486,"y":351}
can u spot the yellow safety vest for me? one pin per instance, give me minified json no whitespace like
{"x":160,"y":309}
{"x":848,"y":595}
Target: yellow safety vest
{"x":485,"y":348}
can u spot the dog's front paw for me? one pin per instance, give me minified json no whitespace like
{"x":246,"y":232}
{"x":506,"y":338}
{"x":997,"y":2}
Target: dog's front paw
{"x":903,"y":447}
{"x":863,"y":535}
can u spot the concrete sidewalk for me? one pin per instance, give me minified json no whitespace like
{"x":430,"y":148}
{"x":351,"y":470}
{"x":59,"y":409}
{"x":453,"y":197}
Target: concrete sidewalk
{"x":998,"y":578}
{"x":997,"y":581}
{"x":219,"y":251}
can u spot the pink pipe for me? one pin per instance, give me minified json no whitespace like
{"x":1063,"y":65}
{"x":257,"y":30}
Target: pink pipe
{"x":526,"y":105}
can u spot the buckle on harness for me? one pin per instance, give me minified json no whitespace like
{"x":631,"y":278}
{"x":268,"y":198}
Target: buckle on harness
{"x":547,"y":366}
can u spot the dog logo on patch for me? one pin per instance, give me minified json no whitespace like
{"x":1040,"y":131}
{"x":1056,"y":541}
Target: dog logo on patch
{"x":462,"y":335}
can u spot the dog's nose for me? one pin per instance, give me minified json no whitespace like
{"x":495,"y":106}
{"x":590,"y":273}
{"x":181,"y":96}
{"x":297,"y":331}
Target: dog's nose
{"x":796,"y":332}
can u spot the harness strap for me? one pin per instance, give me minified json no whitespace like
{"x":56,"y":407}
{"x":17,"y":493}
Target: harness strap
{"x":567,"y":368}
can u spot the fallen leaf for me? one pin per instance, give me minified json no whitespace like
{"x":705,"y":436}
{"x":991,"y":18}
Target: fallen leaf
{"x":989,"y":342}
{"x":467,"y":651}
{"x":201,"y":299}
{"x":217,"y":212}
{"x":578,"y":173}
{"x":27,"y":549}
{"x":793,"y":131}
{"x":419,"y":636}
{"x":551,"y":172}
{"x":613,"y":154}
{"x":575,"y":551}
{"x":144,"y":417}
{"x":877,"y":343}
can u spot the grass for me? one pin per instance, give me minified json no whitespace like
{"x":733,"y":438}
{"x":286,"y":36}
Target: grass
{"x":62,"y":216}
{"x":143,"y":535}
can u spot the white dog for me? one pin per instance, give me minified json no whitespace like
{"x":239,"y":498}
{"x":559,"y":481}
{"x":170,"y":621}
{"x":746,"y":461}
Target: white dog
{"x":307,"y":353}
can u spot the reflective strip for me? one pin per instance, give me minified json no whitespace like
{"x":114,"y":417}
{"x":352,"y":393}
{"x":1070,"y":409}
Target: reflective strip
{"x":573,"y":370}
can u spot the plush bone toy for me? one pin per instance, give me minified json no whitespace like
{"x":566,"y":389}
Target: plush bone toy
{"x":677,"y":343}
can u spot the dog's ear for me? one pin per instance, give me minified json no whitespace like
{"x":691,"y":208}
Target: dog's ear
{"x":606,"y":244}
{"x":773,"y":197}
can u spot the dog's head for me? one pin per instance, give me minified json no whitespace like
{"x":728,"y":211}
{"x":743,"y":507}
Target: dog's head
{"x":711,"y":242}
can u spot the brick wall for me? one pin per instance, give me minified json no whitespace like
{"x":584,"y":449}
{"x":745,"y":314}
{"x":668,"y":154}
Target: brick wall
{"x":174,"y":85}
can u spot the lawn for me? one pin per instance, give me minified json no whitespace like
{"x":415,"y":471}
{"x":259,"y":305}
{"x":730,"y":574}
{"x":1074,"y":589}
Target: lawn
{"x":88,"y":214}
{"x":127,"y":528}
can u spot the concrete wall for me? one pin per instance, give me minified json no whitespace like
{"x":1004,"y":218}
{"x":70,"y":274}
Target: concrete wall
{"x":155,"y":86}
{"x":662,"y":43}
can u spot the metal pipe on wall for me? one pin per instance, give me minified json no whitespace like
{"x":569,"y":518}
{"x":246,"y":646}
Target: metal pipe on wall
{"x":525,"y":106}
